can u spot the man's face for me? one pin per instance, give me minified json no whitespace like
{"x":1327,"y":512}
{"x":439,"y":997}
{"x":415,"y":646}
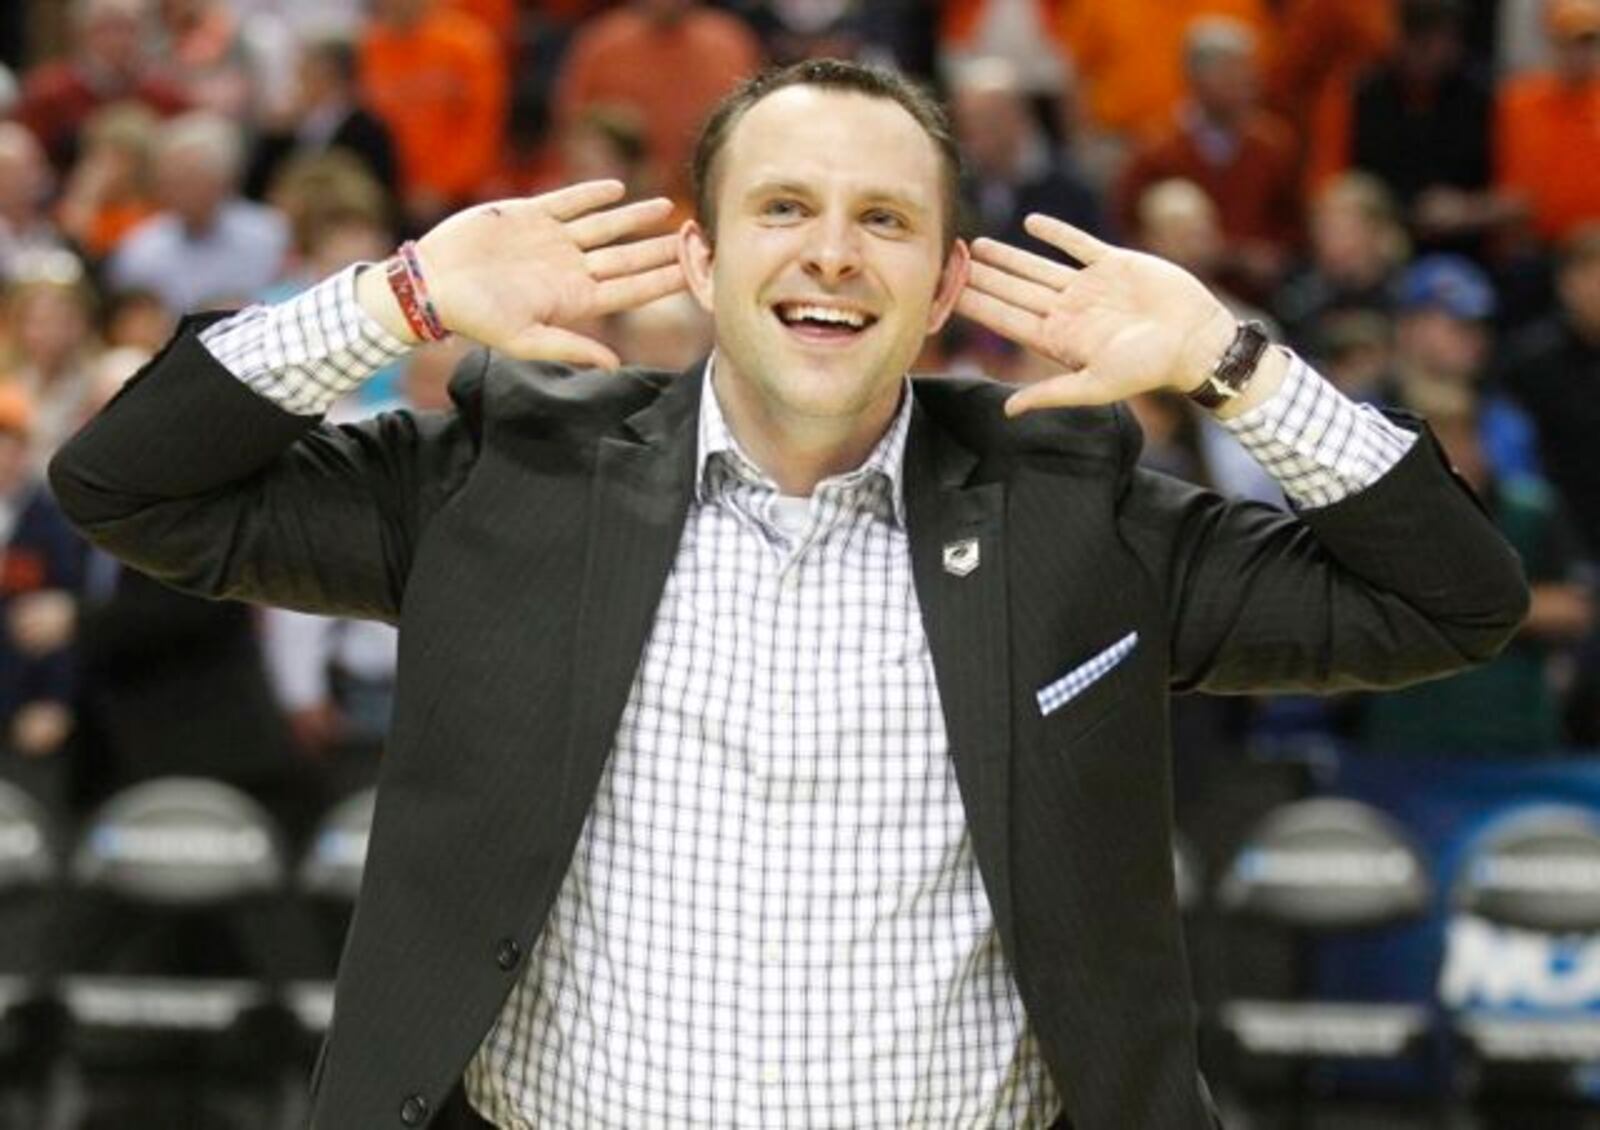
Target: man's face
{"x":1579,"y":287}
{"x":829,"y":266}
{"x":188,"y":184}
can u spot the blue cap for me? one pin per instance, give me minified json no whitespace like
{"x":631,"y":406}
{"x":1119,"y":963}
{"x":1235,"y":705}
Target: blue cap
{"x":1450,"y":283}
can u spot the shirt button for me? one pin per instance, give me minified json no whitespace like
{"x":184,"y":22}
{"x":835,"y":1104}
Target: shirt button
{"x":507,"y":954}
{"x":771,"y":952}
{"x":414,"y":1111}
{"x":770,"y":1074}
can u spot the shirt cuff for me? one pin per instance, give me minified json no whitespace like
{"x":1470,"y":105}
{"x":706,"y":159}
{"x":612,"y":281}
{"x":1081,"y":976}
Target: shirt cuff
{"x":1316,"y":442}
{"x":305,"y":353}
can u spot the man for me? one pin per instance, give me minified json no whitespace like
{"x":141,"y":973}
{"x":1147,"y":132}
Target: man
{"x":774,"y":745}
{"x":109,"y":63}
{"x":1011,"y":170}
{"x":1545,"y":142}
{"x":328,"y":114}
{"x":26,"y":229}
{"x":1243,"y":156}
{"x":208,"y":244}
{"x":436,"y":76}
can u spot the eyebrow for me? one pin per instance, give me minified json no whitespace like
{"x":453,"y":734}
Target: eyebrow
{"x":872,"y":195}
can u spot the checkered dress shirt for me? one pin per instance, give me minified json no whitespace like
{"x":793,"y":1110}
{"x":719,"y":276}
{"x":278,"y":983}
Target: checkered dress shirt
{"x":773,"y":916}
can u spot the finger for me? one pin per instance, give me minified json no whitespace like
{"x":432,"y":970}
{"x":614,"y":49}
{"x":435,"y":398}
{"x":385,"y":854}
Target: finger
{"x":1046,"y":272}
{"x":1009,"y":321}
{"x":1076,"y":242}
{"x":1009,"y":288}
{"x":576,"y":199}
{"x":1069,"y":390}
{"x":635,"y":290}
{"x":613,"y":224}
{"x":552,"y":343}
{"x":631,"y":258}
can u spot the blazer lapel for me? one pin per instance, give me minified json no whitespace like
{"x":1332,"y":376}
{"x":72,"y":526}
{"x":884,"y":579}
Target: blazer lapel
{"x":958,"y":558}
{"x":638,"y":502}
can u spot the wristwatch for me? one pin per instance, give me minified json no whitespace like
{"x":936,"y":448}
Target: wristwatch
{"x":1236,"y":367}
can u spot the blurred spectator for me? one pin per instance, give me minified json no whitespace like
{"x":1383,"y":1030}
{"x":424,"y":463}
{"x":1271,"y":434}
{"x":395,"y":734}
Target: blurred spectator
{"x":1509,"y":705}
{"x":668,"y":60}
{"x":670,"y":333}
{"x":135,"y":319}
{"x":792,"y":30}
{"x":1322,"y":46}
{"x":109,"y":191}
{"x":25,"y":225}
{"x":1025,"y":33}
{"x":438,"y":80}
{"x":1547,"y":135}
{"x":109,"y":63}
{"x":50,"y":317}
{"x":1354,"y":348}
{"x":608,"y":142}
{"x":1010,"y":168}
{"x":1129,"y":55}
{"x":1241,"y":155}
{"x":207,"y":243}
{"x":327,"y":114}
{"x":1553,"y":369}
{"x":1420,"y":122}
{"x":1358,"y":245}
{"x":203,"y":54}
{"x":171,"y":684}
{"x":337,"y":215}
{"x":40,"y":574}
{"x":1179,"y":222}
{"x":1443,"y":337}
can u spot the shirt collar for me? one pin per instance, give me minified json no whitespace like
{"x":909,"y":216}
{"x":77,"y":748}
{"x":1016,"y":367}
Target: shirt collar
{"x":886,"y":459}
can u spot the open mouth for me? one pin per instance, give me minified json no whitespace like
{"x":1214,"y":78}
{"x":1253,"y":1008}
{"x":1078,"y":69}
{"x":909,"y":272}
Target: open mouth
{"x":819,"y":323}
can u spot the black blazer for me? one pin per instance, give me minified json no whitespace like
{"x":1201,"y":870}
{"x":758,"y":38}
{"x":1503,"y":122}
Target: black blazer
{"x":523,"y":542}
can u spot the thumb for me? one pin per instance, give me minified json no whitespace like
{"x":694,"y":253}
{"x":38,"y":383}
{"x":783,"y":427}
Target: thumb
{"x":1068,"y":390}
{"x":552,"y":343}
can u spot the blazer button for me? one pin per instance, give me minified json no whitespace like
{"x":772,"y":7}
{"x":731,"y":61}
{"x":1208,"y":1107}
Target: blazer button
{"x":508,"y":954}
{"x":414,"y":1111}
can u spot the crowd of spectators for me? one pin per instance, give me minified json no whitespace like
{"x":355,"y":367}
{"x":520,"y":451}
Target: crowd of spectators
{"x":1403,"y":190}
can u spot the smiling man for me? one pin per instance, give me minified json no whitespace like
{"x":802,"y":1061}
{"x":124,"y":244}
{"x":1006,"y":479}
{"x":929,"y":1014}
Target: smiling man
{"x":782,"y":743}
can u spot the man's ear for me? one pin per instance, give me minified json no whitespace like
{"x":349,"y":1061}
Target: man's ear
{"x":694,"y":256}
{"x":952,"y":280}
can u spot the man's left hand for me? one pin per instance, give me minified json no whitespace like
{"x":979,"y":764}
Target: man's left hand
{"x":1121,"y":324}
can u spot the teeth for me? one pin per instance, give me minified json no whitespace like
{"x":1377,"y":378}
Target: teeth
{"x":850,"y":318}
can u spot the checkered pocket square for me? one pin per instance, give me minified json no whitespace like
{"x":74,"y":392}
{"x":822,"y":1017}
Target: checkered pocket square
{"x":1084,"y":675}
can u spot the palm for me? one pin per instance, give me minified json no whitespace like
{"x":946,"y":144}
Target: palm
{"x":1122,"y":324}
{"x":514,"y":274}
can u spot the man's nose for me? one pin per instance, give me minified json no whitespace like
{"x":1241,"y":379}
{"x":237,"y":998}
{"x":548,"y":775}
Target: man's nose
{"x":834,"y":253}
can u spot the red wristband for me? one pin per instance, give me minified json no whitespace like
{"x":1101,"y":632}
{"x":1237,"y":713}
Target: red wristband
{"x":404,"y":274}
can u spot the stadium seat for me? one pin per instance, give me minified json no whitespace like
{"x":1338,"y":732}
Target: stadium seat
{"x":1318,"y":867}
{"x":29,"y":869}
{"x":1520,"y":964}
{"x":169,"y":1005}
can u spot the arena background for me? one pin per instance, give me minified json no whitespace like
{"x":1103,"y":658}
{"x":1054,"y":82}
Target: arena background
{"x":1394,"y":901}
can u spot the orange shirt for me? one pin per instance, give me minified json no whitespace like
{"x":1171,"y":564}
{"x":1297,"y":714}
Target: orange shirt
{"x":1547,"y":149}
{"x":1129,"y":54}
{"x":441,"y":88}
{"x":671,"y":76}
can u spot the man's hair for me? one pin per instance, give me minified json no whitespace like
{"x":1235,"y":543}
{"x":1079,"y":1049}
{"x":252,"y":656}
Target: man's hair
{"x":835,"y":75}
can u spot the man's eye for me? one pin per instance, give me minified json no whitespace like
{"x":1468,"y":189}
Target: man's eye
{"x":879,"y":218}
{"x":781,"y":209}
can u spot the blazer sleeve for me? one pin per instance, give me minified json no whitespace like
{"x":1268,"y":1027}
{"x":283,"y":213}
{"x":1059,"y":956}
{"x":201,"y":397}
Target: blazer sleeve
{"x":1405,"y":580}
{"x":191,"y":477}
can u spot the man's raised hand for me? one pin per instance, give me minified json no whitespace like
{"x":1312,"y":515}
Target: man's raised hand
{"x":1121,"y":324}
{"x":516,"y":274}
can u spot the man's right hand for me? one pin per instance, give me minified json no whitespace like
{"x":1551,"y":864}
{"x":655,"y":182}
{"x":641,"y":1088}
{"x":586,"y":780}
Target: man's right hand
{"x":512,"y":274}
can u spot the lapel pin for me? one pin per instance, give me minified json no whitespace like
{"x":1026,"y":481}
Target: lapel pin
{"x":961,"y":557}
